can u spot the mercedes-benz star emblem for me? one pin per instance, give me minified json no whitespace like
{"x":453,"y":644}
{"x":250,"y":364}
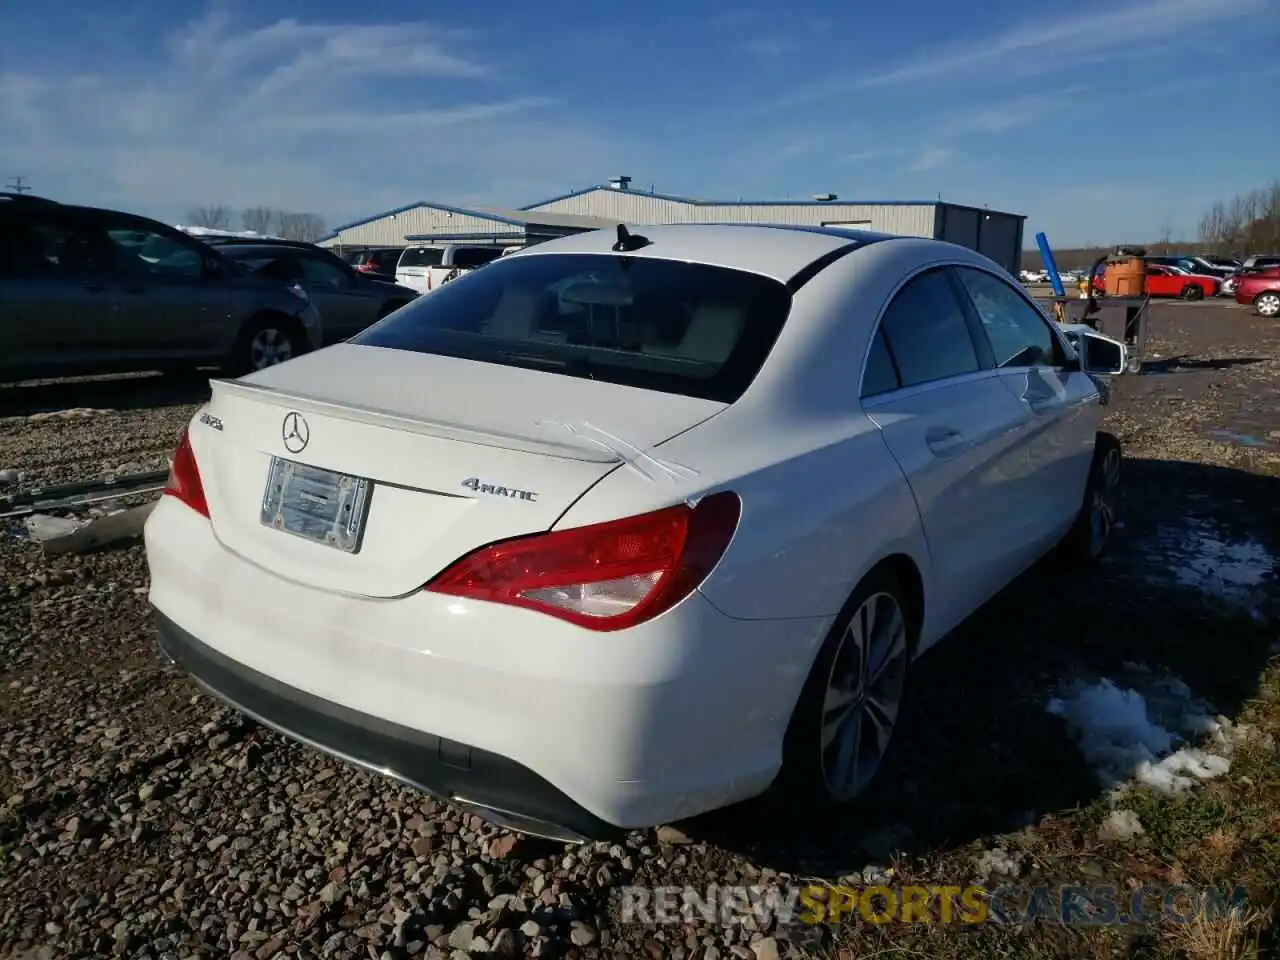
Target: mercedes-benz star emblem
{"x":295,"y":433}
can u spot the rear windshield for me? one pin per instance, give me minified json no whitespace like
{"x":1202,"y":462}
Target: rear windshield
{"x":475,"y":256}
{"x":665,"y":325}
{"x":422,"y":257}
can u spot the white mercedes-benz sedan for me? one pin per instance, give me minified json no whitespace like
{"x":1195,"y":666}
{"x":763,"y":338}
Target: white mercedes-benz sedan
{"x":620,"y":528}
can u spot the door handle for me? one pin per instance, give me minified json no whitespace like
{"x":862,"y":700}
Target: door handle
{"x":1040,"y":404}
{"x":943,"y":440}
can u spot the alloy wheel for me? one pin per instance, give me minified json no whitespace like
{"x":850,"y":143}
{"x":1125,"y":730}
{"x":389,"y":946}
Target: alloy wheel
{"x":268,"y":347}
{"x":1268,"y":304}
{"x":864,"y":692}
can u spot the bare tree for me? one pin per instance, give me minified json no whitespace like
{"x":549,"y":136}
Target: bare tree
{"x":1215,"y":229}
{"x":300,"y":226}
{"x":215,"y":216}
{"x":258,"y":219}
{"x":1166,"y":235}
{"x":1246,"y":223}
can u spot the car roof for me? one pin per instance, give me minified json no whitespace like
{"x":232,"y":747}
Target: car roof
{"x":775,"y":250}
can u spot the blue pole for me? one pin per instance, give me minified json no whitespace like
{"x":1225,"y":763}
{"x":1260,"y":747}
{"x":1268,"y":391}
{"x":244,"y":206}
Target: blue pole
{"x":1050,"y":264}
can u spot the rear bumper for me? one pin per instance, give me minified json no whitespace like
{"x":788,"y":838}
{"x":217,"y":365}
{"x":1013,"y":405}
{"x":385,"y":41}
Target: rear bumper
{"x":681,"y":715}
{"x":499,"y":789}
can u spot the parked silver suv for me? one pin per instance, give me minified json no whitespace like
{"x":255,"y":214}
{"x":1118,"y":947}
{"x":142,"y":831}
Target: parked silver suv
{"x":84,"y":290}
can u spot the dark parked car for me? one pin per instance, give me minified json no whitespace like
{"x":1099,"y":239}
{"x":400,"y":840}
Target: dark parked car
{"x":348,"y":300}
{"x":379,"y":261}
{"x":1199,"y":266}
{"x":86,"y":290}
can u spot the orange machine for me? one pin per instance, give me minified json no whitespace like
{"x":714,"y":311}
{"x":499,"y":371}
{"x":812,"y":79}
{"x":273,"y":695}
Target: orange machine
{"x":1125,"y":277}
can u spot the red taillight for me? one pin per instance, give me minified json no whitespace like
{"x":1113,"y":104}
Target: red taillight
{"x":184,"y":478}
{"x":607,"y":576}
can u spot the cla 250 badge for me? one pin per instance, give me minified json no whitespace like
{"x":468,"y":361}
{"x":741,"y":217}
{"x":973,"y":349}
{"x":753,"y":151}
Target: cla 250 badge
{"x":492,"y":489}
{"x":210,"y":421}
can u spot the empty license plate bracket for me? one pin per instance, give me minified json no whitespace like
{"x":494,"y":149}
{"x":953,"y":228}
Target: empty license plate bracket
{"x":316,"y":504}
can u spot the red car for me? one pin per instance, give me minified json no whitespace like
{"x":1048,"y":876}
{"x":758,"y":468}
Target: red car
{"x":1165,"y":281}
{"x":1262,"y":289}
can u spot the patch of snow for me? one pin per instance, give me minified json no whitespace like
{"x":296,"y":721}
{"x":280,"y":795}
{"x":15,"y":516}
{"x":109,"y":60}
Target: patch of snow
{"x":1121,"y":825}
{"x":1128,"y":736}
{"x":1199,"y":555}
{"x":195,"y":231}
{"x":997,"y":861}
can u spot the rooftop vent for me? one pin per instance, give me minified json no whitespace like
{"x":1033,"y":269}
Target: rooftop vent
{"x":824,"y":197}
{"x":620,"y":183}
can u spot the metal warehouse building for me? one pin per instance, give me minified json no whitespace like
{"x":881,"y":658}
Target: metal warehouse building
{"x":997,"y":235}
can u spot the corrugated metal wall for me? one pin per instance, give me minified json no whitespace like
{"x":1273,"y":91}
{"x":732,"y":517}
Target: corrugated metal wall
{"x":391,"y":231}
{"x":993,"y":234}
{"x":997,"y":235}
{"x":639,"y":208}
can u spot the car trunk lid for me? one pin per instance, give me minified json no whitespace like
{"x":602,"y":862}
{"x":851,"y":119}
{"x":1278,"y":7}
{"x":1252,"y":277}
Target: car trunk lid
{"x":457,"y":453}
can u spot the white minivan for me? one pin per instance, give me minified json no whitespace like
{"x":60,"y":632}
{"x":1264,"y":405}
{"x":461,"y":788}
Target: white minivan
{"x":426,"y":267}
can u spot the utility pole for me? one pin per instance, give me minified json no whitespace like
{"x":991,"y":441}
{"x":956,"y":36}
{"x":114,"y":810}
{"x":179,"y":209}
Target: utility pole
{"x":18,"y":184}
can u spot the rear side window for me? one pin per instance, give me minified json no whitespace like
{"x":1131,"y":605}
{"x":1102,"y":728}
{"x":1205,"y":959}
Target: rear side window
{"x":926,"y":332}
{"x":881,"y":375}
{"x":675,"y":327}
{"x":52,"y":248}
{"x":422,"y":257}
{"x":475,"y":256}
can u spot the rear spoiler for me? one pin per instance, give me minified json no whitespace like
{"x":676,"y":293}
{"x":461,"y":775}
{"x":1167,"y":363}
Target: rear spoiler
{"x":591,"y":453}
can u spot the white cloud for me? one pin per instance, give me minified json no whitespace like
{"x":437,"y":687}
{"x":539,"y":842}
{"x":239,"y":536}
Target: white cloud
{"x":342,"y":119}
{"x":931,"y":159}
{"x":1047,"y":44}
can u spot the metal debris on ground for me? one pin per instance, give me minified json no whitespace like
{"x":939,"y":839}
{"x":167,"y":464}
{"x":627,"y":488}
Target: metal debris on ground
{"x":59,"y":535}
{"x":82,"y":493}
{"x":43,"y":527}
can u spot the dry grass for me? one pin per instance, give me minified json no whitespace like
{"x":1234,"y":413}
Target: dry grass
{"x":1234,"y":937}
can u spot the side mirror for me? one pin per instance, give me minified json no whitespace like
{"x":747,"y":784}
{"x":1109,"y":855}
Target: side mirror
{"x":1098,"y":354}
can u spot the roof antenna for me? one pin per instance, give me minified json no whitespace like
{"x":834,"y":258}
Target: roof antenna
{"x":628,"y":241}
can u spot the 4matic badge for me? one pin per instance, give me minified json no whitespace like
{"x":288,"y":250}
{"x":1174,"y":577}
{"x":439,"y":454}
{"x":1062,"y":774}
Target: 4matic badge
{"x":494,"y":490}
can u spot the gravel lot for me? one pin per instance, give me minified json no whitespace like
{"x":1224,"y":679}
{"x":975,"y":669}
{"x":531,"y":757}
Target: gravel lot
{"x":139,"y":818}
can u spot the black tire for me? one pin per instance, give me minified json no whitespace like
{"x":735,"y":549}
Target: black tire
{"x":1092,"y":532}
{"x":1192,"y":292}
{"x":804,"y":776}
{"x":279,"y":328}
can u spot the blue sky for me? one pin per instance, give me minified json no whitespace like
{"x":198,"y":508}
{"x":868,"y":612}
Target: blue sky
{"x":1102,"y":121}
